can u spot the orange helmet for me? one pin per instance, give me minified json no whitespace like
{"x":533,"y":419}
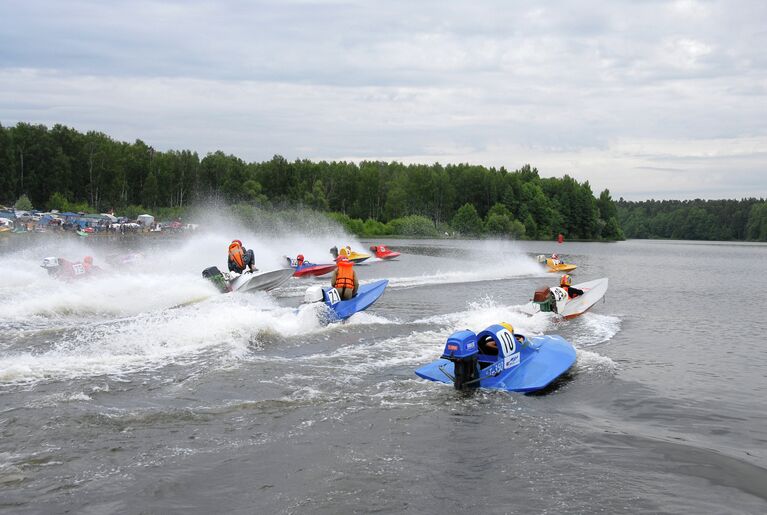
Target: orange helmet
{"x":566,"y":280}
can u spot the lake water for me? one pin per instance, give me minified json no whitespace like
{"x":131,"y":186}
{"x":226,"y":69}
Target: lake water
{"x":144,"y":391}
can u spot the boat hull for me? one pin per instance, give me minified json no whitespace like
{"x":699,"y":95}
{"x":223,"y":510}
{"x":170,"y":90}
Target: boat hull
{"x":313,"y":270}
{"x":387,"y":255}
{"x":261,"y":282}
{"x":560,"y":268}
{"x":358,"y":257}
{"x":593,"y":292}
{"x":367,"y":294}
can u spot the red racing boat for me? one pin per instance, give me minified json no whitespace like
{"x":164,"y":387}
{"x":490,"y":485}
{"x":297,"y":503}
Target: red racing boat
{"x":304,"y":268}
{"x":382,"y":252}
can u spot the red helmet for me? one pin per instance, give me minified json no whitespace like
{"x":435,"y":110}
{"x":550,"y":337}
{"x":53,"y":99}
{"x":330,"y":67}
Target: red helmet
{"x":300,"y":258}
{"x":236,"y":242}
{"x":566,"y":280}
{"x":88,"y":259}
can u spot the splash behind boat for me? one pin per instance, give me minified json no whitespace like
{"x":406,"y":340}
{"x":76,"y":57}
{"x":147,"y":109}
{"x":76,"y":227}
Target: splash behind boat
{"x":498,"y":358}
{"x":125,"y":260}
{"x":61,"y":268}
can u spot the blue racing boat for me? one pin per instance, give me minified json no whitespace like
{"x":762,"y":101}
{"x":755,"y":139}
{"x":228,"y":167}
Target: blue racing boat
{"x":499,"y":358}
{"x":339,"y":309}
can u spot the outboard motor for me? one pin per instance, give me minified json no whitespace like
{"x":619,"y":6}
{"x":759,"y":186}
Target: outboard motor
{"x":214,"y":275}
{"x":334,"y":252}
{"x":313,"y":294}
{"x":51,"y":264}
{"x":545,"y":300}
{"x":461,"y":349}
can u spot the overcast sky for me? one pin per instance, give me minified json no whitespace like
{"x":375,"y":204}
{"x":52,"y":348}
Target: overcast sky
{"x":649,"y":99}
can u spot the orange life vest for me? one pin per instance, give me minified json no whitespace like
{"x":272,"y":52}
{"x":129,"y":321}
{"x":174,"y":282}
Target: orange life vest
{"x":237,"y":254}
{"x":345,"y":276}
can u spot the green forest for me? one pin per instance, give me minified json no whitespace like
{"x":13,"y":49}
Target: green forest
{"x":61,"y":168}
{"x":697,"y":219}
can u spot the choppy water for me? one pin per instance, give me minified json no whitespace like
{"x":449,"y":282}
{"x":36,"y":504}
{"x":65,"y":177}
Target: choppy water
{"x":145,"y":391}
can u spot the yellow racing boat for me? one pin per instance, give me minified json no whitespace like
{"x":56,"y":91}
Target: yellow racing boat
{"x":348,"y":253}
{"x":555,"y":265}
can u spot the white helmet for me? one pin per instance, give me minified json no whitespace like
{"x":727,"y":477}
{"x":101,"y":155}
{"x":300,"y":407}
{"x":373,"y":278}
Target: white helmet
{"x":313,"y":294}
{"x":50,"y":262}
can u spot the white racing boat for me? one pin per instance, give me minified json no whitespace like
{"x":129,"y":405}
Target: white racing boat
{"x":556,"y":300}
{"x":232,"y":281}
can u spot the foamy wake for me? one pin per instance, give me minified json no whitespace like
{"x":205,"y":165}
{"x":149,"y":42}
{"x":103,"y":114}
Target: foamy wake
{"x":225,"y":327}
{"x":488,"y":311}
{"x":593,"y":328}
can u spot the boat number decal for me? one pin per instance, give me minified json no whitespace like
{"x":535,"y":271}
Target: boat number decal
{"x":559,"y":293}
{"x":493,"y":370}
{"x":333,"y":296}
{"x":508,"y":342}
{"x":78,"y":268}
{"x":293,"y":263}
{"x":511,"y":361}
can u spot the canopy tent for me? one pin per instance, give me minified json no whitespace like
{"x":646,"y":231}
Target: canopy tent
{"x":145,"y":220}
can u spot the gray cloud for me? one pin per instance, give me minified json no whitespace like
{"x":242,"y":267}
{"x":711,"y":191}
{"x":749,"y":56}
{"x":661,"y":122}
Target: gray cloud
{"x":662,"y":99}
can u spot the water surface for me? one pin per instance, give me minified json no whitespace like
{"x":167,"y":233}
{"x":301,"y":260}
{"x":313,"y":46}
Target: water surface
{"x":144,"y":391}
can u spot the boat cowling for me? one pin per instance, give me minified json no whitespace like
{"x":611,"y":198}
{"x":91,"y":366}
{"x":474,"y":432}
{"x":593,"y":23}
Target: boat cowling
{"x":461,"y":349}
{"x":313,"y":294}
{"x":545,"y":300}
{"x":214,"y":275}
{"x":50,"y":262}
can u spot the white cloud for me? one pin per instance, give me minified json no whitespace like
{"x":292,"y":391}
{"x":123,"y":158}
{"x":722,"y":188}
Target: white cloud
{"x":648,"y":99}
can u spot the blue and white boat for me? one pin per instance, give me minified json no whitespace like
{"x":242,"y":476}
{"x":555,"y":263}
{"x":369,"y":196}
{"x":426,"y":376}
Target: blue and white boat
{"x":499,"y":358}
{"x":339,"y":309}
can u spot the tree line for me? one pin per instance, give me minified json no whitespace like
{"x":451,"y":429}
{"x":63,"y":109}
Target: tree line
{"x":744,"y":219}
{"x":63,"y":168}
